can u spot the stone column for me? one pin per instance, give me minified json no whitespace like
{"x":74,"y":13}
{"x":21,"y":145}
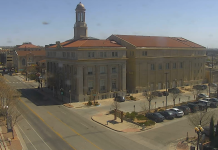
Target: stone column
{"x":79,"y":80}
{"x":119,"y":77}
{"x":123,"y":78}
{"x":108,"y":78}
{"x":97,"y":79}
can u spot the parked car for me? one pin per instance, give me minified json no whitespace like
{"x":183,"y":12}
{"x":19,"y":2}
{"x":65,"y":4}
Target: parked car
{"x":174,"y":90}
{"x":207,"y":130}
{"x":202,"y":95}
{"x":202,"y":106}
{"x":200,"y":87}
{"x":168,"y":114}
{"x":165,"y":93}
{"x":212,"y":84}
{"x":213,"y":100}
{"x":157,"y":117}
{"x":157,"y":93}
{"x":179,"y":113}
{"x":120,"y":99}
{"x":193,"y":107}
{"x":208,"y":103}
{"x":185,"y":109}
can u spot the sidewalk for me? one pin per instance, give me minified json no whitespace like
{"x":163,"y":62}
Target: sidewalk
{"x":7,"y":136}
{"x":108,"y":121}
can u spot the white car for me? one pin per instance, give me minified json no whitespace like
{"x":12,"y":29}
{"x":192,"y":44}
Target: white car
{"x":179,"y":113}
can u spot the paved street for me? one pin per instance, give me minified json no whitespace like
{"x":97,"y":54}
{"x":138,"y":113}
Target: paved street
{"x":62,"y":128}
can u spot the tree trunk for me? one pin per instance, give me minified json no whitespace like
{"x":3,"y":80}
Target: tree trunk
{"x":149,"y":106}
{"x":174,"y":102}
{"x":13,"y":132}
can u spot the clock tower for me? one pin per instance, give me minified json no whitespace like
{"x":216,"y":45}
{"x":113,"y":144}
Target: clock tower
{"x":80,"y":27}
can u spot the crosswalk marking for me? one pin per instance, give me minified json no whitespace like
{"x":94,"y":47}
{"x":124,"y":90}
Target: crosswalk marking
{"x":15,"y":82}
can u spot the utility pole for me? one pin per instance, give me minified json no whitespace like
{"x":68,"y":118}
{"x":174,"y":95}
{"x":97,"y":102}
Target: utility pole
{"x":212,"y":61}
{"x":166,"y":89}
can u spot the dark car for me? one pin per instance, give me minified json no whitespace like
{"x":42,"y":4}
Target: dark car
{"x":193,"y":107}
{"x":157,"y":117}
{"x":201,"y":106}
{"x":157,"y":93}
{"x":185,"y":109}
{"x":200,"y":87}
{"x":120,"y":99}
{"x":167,"y":114}
{"x":174,"y":90}
{"x":165,"y":93}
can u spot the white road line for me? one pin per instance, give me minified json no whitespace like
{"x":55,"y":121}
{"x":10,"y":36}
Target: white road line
{"x":36,"y":132}
{"x":84,"y":125}
{"x":26,"y":136}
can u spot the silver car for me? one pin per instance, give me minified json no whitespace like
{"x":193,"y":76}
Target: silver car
{"x":178,"y":112}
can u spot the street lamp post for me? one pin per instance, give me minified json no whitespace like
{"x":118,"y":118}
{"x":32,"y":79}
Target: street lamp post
{"x":6,"y":110}
{"x":198,"y":130}
{"x":210,"y":82}
{"x":70,"y":95}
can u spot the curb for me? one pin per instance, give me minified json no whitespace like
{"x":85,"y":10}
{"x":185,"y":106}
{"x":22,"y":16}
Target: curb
{"x":107,"y":126}
{"x":122,"y":131}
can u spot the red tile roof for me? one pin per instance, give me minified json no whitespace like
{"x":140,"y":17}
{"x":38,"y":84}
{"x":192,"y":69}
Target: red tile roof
{"x":158,"y":41}
{"x":63,"y":43}
{"x":36,"y":53}
{"x":89,"y":43}
{"x":27,"y":45}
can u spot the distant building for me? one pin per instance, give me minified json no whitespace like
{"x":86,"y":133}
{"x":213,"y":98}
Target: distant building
{"x":97,"y":69}
{"x":28,"y":46}
{"x":23,"y":59}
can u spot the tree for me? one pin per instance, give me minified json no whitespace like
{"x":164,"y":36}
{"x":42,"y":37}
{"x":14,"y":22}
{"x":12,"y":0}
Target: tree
{"x":216,"y":133}
{"x":211,"y":133}
{"x":144,"y":106}
{"x":175,"y":94}
{"x":196,"y":90}
{"x":115,"y":106}
{"x":8,"y":101}
{"x":150,"y":96}
{"x":200,"y":118}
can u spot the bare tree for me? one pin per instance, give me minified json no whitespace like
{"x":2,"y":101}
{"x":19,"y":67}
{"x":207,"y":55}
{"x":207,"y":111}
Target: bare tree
{"x":200,"y":118}
{"x":144,"y":106}
{"x":196,"y":90}
{"x":150,"y":96}
{"x":175,"y":94}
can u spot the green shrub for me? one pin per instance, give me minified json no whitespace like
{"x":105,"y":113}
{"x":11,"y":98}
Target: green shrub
{"x":141,"y":117}
{"x":89,"y":103}
{"x":131,"y":97}
{"x":147,"y":123}
{"x":131,"y":115}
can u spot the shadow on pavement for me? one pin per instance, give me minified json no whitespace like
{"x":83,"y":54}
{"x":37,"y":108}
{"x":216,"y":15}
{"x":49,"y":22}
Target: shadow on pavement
{"x":37,"y":97}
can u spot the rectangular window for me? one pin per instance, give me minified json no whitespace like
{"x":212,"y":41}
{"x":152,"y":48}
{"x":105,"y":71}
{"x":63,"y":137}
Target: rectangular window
{"x":114,"y":70}
{"x":144,"y":53}
{"x":102,"y":69}
{"x":64,"y":54}
{"x":90,"y":71}
{"x":160,"y":66}
{"x":93,"y":54}
{"x":181,"y":65}
{"x":114,"y":54}
{"x":68,"y":54}
{"x":174,"y":65}
{"x":54,"y":53}
{"x":89,"y":54}
{"x":167,"y":65}
{"x":101,"y":54}
{"x":114,"y":84}
{"x":102,"y":85}
{"x":152,"y":67}
{"x":72,"y":54}
{"x":90,"y":85}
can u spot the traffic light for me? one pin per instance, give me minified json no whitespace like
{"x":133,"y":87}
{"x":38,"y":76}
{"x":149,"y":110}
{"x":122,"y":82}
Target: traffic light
{"x":62,"y":91}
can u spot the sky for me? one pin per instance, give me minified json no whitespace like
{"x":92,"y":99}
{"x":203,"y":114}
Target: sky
{"x":44,"y":22}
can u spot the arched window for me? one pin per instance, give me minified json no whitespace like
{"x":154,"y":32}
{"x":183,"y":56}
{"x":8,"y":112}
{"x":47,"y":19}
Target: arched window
{"x":23,"y":62}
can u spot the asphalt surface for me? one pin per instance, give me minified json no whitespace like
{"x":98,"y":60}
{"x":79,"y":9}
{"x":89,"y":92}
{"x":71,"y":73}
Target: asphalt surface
{"x":47,"y":125}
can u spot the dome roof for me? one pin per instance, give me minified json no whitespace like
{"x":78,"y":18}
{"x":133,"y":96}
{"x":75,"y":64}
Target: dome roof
{"x":80,"y":6}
